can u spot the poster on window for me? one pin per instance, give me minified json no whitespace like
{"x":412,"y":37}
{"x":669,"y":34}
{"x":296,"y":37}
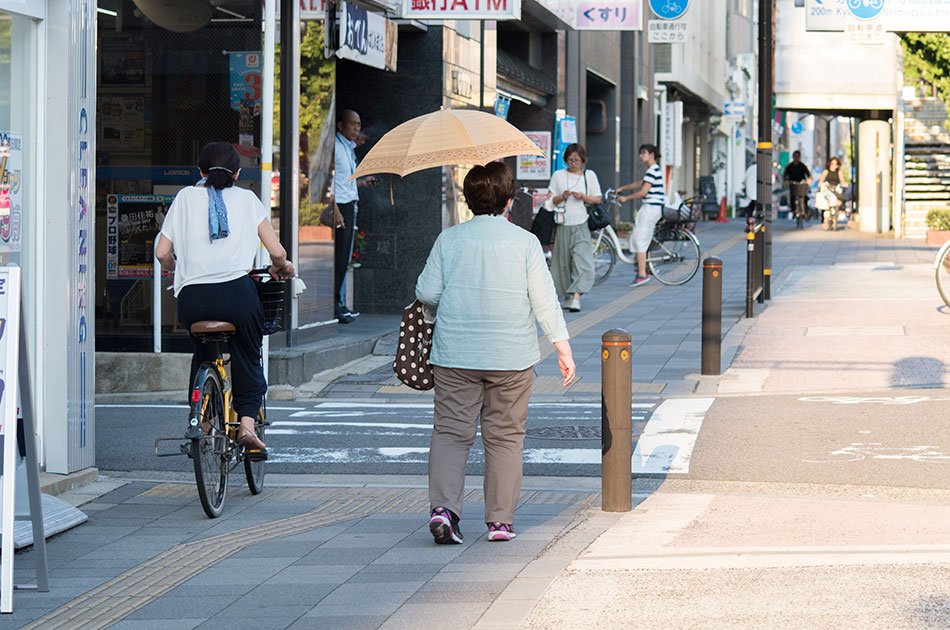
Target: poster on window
{"x":122,"y":120}
{"x":132,"y":223}
{"x":11,"y":186}
{"x":536,"y":166}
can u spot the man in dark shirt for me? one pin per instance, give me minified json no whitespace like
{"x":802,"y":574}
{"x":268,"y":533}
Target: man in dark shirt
{"x":796,"y":173}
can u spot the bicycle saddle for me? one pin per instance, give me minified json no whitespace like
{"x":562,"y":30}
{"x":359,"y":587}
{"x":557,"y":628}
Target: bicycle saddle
{"x":211,"y":326}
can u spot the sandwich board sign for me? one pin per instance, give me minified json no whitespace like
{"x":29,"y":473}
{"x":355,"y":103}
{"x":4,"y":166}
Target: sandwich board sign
{"x":14,"y":380}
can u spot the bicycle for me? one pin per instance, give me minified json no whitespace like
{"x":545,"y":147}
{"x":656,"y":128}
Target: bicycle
{"x":799,"y":192}
{"x":213,"y":424}
{"x":674,"y":253}
{"x":942,"y":272}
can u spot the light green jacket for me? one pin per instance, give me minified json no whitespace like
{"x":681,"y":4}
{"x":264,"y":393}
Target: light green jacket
{"x":490,"y":282}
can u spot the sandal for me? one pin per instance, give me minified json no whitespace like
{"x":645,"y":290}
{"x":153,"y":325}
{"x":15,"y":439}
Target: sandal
{"x":252,"y":451}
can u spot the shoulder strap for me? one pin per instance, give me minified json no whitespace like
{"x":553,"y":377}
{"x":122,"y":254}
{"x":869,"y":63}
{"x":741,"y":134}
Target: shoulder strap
{"x":585,"y":181}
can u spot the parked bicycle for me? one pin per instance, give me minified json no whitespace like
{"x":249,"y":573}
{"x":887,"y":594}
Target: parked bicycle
{"x":674,"y":253}
{"x":213,"y":424}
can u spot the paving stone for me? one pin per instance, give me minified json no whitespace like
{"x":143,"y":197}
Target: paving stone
{"x":172,"y":607}
{"x":313,"y":574}
{"x":156,"y":624}
{"x":336,"y":556}
{"x":340,"y":622}
{"x":428,"y":615}
{"x":382,"y":602}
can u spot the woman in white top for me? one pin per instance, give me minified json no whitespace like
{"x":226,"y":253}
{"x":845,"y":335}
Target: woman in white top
{"x":572,"y":259}
{"x":209,"y":239}
{"x":651,"y":190}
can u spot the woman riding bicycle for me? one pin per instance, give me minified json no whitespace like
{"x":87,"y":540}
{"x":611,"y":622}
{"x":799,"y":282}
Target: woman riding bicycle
{"x":831,"y":191}
{"x":209,"y":239}
{"x":652,"y":191}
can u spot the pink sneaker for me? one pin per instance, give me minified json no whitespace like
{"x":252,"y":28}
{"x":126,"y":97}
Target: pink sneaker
{"x":500,"y":532}
{"x":640,"y":281}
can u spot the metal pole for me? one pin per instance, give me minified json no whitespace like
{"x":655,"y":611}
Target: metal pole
{"x":764,"y":151}
{"x":712,"y":316}
{"x":749,"y":265}
{"x":615,"y":419}
{"x":156,"y":301}
{"x":267,"y":136}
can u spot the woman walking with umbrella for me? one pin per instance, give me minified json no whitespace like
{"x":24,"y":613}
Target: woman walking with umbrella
{"x":490,"y":282}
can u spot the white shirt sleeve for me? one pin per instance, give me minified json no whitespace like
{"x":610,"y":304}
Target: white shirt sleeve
{"x":593,"y":184}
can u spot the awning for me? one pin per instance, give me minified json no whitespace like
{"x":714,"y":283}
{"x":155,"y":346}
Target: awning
{"x":522,"y":81}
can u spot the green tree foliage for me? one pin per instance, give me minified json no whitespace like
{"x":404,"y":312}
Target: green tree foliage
{"x":317,"y":85}
{"x":927,"y":59}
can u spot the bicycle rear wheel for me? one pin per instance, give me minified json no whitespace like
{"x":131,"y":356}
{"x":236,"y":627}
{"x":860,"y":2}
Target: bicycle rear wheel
{"x":210,"y":452}
{"x":254,"y":471}
{"x":942,"y":271}
{"x":674,"y":260}
{"x":605,"y":256}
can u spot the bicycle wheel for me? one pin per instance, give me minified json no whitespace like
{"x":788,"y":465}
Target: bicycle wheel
{"x":675,"y":259}
{"x":254,"y":471}
{"x":210,"y":452}
{"x":942,"y":272}
{"x":605,"y":256}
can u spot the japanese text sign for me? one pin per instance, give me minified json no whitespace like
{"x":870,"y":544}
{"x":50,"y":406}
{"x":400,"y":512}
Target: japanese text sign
{"x":619,"y":15}
{"x":462,"y":9}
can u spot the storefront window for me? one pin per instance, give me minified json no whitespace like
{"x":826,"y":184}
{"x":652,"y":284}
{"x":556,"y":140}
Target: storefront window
{"x":17,"y":132}
{"x":169,"y":81}
{"x":317,"y":131}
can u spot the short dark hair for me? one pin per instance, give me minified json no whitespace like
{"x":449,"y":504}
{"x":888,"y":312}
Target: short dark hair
{"x":488,"y":188}
{"x":578,"y":149}
{"x":650,"y":148}
{"x":796,"y":152}
{"x":219,"y":161}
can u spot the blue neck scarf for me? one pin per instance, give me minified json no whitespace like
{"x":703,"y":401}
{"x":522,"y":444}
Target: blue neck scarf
{"x":217,"y":212}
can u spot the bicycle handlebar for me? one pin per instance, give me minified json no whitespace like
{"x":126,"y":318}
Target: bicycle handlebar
{"x":265,"y":271}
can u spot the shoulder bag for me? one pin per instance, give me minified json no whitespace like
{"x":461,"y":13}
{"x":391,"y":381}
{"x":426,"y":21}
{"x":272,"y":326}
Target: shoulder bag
{"x":543,"y":226}
{"x":597,"y":216}
{"x":412,"y":365}
{"x":331,"y":216}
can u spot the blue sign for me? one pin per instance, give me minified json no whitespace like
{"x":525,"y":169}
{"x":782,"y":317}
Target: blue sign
{"x":864,"y":9}
{"x":797,"y":127}
{"x":673,"y":9}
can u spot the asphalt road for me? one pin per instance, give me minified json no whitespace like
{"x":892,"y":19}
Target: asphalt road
{"x":356,"y":438}
{"x":893,"y":438}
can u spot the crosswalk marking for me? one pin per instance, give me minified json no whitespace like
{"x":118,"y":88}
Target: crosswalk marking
{"x":665,"y":446}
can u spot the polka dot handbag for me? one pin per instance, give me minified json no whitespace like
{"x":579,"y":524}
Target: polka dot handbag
{"x":412,"y":349}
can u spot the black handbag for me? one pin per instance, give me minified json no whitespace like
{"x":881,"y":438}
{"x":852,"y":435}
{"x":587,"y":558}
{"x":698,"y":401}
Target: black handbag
{"x":597,"y":216}
{"x":543,"y":226}
{"x":412,"y":365}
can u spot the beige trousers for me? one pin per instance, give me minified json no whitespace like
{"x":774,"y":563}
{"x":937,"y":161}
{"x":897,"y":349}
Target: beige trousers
{"x":500,"y":398}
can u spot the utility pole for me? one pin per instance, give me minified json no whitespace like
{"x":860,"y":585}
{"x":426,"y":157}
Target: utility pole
{"x":764,"y":151}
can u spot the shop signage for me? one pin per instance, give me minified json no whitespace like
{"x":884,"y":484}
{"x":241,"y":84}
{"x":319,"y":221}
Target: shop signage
{"x":367,"y":37}
{"x":620,"y":15}
{"x":502,"y":105}
{"x":891,"y":15}
{"x":313,"y":9}
{"x":245,"y":73}
{"x":11,"y":198}
{"x":132,"y":222}
{"x":462,"y":9}
{"x":536,"y":166}
{"x":80,"y":336}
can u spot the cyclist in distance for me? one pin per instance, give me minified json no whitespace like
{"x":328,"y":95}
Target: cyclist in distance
{"x":651,"y":190}
{"x":796,"y":173}
{"x":209,"y":239}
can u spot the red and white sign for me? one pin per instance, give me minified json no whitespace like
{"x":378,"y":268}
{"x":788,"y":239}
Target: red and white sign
{"x":313,"y":9}
{"x":462,"y":9}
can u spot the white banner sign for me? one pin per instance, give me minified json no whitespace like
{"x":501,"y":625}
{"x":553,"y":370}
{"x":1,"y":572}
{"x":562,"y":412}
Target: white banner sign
{"x":892,"y":15}
{"x":601,"y":15}
{"x":667,"y":31}
{"x":536,"y":166}
{"x":462,"y":9}
{"x":364,"y":37}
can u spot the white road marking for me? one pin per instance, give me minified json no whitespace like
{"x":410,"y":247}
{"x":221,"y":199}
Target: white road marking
{"x":874,"y":400}
{"x":669,"y":437}
{"x":858,"y":451}
{"x":665,"y":447}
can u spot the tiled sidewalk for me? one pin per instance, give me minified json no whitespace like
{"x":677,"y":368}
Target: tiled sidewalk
{"x":292,"y":557}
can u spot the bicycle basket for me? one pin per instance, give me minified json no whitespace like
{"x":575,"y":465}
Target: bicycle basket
{"x":679,"y":214}
{"x":271,"y":292}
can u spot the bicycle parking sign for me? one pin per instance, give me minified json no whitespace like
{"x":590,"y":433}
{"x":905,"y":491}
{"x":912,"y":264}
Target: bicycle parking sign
{"x":865,"y":9}
{"x":671,"y":9}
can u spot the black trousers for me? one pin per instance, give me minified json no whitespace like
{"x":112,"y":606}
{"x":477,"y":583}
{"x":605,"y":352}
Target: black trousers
{"x":237,"y":302}
{"x":342,"y":252}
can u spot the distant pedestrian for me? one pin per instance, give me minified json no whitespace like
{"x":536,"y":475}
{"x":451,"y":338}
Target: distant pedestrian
{"x":490,"y":282}
{"x":831,"y":185}
{"x":572,"y":259}
{"x":346,"y":196}
{"x":653,"y":192}
{"x":749,"y":190}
